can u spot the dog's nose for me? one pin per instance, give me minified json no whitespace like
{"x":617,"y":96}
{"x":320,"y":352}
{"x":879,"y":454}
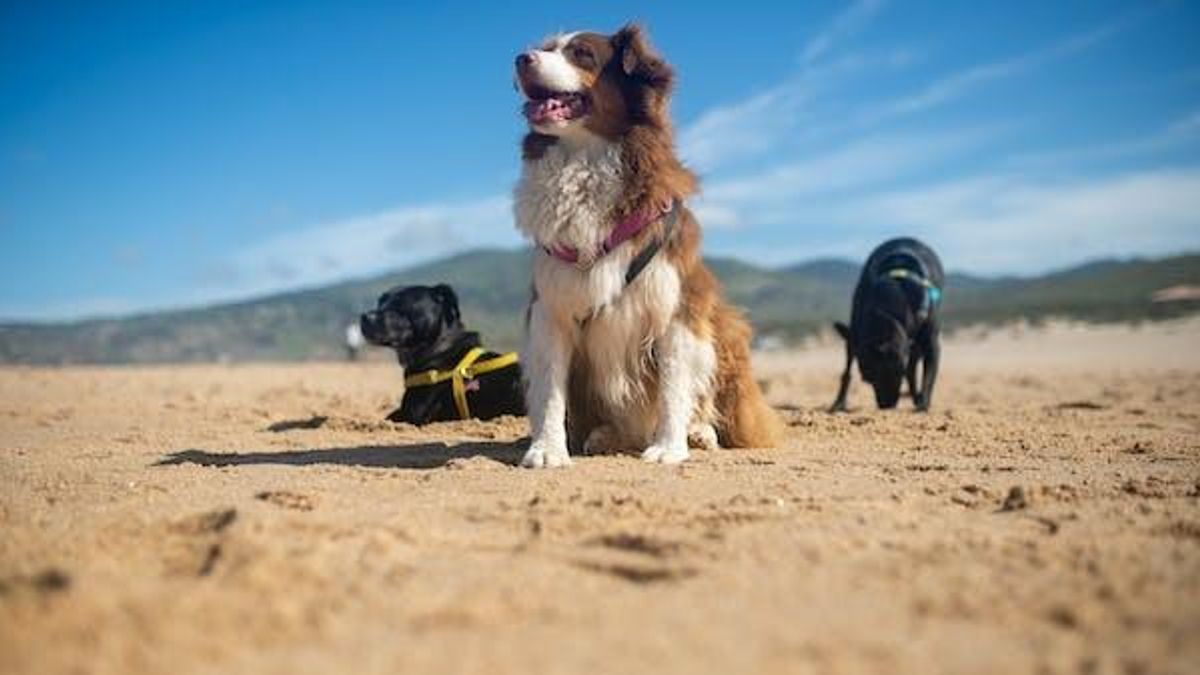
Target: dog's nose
{"x":525,"y":59}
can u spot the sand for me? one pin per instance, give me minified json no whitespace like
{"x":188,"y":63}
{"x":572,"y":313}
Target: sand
{"x":1045,"y":517}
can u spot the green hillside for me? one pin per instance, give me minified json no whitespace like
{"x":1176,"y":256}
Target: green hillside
{"x":493,"y":286}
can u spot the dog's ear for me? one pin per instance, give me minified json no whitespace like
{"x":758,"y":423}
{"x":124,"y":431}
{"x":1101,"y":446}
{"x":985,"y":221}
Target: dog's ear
{"x":639,"y":60}
{"x":449,"y":303}
{"x":842,"y":330}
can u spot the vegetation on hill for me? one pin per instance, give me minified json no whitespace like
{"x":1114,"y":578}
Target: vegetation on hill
{"x":493,"y":286}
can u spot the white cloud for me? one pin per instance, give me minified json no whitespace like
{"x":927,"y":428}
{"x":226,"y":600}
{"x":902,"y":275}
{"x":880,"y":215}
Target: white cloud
{"x":319,"y":254}
{"x":864,"y":164}
{"x":846,"y":199}
{"x":1001,"y":223}
{"x":755,"y":125}
{"x":742,"y":129}
{"x":1017,"y":223}
{"x":751,"y":126}
{"x":365,"y":245}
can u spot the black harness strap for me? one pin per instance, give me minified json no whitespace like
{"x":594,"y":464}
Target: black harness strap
{"x":647,"y":254}
{"x":644,"y":256}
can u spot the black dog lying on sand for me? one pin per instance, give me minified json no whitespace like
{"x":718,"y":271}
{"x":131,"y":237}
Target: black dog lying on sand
{"x":448,"y":375}
{"x":894,"y":323}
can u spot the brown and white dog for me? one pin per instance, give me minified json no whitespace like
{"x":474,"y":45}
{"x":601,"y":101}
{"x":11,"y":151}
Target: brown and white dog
{"x":630,"y":345}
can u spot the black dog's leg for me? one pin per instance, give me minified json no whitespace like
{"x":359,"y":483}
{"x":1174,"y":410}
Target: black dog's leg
{"x":911,"y":375}
{"x":933,"y":353}
{"x":839,"y":405}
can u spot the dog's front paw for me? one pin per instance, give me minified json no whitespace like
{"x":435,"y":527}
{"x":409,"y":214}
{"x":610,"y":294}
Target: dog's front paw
{"x":542,"y":454}
{"x":666,"y":453}
{"x":703,"y":437}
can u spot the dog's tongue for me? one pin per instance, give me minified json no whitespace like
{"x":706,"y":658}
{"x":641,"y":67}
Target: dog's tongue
{"x":556,"y":108}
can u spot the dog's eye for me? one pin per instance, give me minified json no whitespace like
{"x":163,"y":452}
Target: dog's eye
{"x":581,"y":55}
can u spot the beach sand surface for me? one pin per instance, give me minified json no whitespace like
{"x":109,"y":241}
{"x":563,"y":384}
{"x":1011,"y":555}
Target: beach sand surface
{"x":263,"y":518}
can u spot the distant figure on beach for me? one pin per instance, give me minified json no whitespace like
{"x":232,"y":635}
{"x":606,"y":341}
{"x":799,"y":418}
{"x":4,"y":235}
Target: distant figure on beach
{"x":354,"y":341}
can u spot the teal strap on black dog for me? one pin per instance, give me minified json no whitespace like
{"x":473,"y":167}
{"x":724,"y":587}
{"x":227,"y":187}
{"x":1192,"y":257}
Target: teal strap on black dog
{"x":933,"y":294}
{"x":931,"y":289}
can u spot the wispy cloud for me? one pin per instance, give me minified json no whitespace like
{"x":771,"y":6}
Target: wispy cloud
{"x":364,"y":245}
{"x":1188,"y":125}
{"x":957,"y":84}
{"x":874,"y":177}
{"x":1180,"y":134}
{"x":768,"y":197}
{"x":1014,"y":223}
{"x":750,"y":126}
{"x":754,"y":126}
{"x":1003,"y":223}
{"x":848,"y":22}
{"x":740,"y":129}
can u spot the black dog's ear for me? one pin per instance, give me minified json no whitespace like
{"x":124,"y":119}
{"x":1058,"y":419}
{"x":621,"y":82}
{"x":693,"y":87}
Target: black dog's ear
{"x":638,"y":58}
{"x":449,"y":303}
{"x":842,"y":330}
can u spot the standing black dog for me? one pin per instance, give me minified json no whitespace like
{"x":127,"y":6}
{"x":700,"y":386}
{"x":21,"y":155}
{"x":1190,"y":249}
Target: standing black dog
{"x":894,"y":323}
{"x":448,"y":375}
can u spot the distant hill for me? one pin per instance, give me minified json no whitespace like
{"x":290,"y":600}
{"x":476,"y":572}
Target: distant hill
{"x":493,"y":285}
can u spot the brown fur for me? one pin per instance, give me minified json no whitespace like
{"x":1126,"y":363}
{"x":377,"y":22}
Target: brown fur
{"x":746,"y":421}
{"x":629,"y":92}
{"x":655,"y":176}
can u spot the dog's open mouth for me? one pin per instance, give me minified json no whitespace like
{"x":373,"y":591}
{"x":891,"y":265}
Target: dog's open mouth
{"x":553,"y":107}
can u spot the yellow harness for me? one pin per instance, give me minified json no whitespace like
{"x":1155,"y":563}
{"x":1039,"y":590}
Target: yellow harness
{"x":466,"y":370}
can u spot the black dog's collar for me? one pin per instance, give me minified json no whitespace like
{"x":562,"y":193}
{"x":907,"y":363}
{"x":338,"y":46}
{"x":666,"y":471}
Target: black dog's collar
{"x":931,"y":289}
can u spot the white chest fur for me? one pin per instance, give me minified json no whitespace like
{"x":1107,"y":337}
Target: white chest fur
{"x":567,"y":197}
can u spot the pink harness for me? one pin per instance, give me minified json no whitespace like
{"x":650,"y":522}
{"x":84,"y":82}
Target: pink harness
{"x":624,"y":231}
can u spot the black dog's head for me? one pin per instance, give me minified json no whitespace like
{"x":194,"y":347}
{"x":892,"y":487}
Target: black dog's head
{"x":413,"y":320}
{"x":883,"y":343}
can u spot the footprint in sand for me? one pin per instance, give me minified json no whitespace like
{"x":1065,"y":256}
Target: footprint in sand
{"x":198,"y":548}
{"x":653,"y":560}
{"x":288,"y":500}
{"x":50,"y":580}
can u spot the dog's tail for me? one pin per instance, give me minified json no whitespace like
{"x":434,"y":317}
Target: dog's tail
{"x":746,"y":421}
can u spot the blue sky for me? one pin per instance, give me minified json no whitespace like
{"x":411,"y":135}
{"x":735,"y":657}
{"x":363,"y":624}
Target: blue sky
{"x":169,"y":154}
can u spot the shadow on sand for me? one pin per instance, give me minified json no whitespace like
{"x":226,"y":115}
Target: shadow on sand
{"x":416,"y":456}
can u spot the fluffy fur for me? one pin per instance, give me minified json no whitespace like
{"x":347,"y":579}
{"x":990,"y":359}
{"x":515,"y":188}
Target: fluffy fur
{"x":644,"y":367}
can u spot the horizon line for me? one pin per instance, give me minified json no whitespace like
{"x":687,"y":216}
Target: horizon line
{"x":252,"y":298}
